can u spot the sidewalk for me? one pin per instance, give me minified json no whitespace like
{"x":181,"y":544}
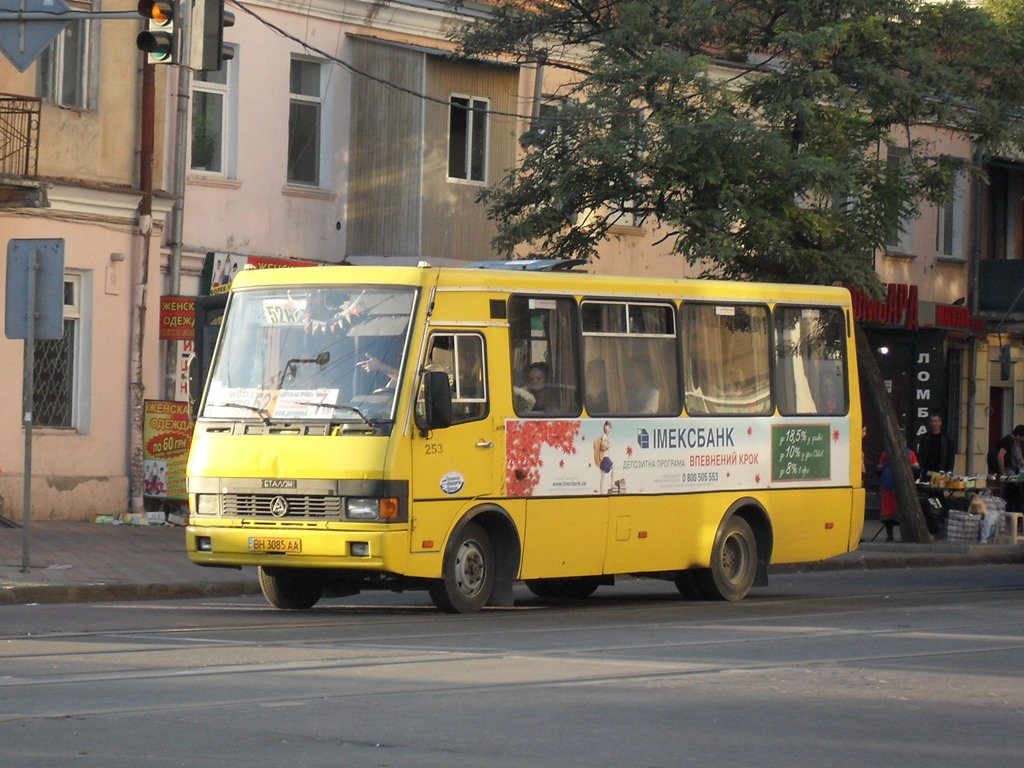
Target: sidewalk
{"x":87,"y":562}
{"x":72,"y":562}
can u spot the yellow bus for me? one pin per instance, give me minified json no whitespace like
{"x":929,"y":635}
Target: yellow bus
{"x":459,"y":430}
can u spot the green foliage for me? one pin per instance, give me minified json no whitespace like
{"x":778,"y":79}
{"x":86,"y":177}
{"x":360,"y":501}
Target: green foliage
{"x":752,"y":132}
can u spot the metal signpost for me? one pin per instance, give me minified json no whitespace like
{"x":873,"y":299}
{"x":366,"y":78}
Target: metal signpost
{"x":34,"y":309}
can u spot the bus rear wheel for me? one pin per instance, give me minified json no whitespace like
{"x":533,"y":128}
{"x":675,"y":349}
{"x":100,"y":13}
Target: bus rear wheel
{"x":291,"y":589}
{"x":733,"y":562}
{"x":467,"y":577}
{"x":563,"y":589}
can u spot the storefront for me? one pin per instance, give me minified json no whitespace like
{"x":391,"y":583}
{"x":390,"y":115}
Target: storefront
{"x":925,"y":352}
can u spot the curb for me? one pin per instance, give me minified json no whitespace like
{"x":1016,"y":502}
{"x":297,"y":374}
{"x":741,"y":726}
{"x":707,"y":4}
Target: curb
{"x":914,"y":561}
{"x":97,"y":593}
{"x":870,"y":557}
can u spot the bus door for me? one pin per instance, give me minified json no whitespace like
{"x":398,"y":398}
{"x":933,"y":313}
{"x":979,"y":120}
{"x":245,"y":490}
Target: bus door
{"x":457,"y":463}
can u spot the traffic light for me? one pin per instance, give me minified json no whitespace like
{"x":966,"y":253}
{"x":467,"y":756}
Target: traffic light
{"x":208,"y":21}
{"x":159,"y":40}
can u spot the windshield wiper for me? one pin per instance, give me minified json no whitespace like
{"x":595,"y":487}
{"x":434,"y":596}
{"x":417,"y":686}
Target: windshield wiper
{"x":263,"y":413}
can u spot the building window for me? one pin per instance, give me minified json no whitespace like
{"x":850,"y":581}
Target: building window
{"x":627,"y":131}
{"x":467,"y":139}
{"x":212,"y":114}
{"x":949,"y":228}
{"x":547,"y":125}
{"x":65,"y":67}
{"x":304,"y":114}
{"x":901,"y":241}
{"x":58,"y":365}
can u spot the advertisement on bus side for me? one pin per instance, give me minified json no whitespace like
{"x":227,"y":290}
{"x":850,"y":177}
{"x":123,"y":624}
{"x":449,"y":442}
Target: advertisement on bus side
{"x":575,"y":457}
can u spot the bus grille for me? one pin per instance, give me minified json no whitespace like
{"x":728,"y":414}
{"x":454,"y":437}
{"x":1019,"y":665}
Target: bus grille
{"x":258,"y":505}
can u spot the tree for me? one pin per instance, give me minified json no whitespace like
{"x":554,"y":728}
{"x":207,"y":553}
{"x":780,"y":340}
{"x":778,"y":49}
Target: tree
{"x":752,"y":135}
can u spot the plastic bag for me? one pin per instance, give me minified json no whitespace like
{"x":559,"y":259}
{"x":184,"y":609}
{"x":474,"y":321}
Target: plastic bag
{"x":994,"y":517}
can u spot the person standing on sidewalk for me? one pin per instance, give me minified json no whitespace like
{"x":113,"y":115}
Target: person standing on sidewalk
{"x":889,"y":508}
{"x":1006,"y":457}
{"x":935,"y":449}
{"x":1006,"y":461}
{"x":936,"y":454}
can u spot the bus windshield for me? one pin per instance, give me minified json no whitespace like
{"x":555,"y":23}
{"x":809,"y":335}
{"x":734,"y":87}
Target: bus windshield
{"x":318,"y":353}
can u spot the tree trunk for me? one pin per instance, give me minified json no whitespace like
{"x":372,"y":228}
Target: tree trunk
{"x":912,"y":524}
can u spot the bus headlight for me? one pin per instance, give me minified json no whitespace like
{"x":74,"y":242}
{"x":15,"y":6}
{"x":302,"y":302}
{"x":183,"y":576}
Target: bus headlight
{"x":362,"y":509}
{"x":207,"y":504}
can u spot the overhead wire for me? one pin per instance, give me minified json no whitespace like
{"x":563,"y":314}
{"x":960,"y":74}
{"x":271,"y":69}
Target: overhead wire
{"x":359,"y":72}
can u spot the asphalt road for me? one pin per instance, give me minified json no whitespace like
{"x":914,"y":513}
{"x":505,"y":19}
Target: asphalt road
{"x":914,"y":667}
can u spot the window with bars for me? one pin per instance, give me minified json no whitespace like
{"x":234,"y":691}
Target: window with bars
{"x":56,"y":363}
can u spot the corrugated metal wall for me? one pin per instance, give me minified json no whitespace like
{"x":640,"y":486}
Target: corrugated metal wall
{"x":455,"y":225}
{"x":400,"y":200}
{"x":386,"y":165}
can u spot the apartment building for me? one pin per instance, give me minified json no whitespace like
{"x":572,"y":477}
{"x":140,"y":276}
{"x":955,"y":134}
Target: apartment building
{"x":344,"y":132}
{"x":69,"y":170}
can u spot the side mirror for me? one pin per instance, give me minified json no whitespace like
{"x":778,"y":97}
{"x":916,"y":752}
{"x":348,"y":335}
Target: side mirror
{"x":437,"y":402}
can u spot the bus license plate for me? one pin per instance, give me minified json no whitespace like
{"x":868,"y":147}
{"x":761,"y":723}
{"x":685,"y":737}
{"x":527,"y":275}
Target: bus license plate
{"x":272,"y":544}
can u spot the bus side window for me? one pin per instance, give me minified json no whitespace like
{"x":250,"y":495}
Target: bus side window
{"x":810,"y":376}
{"x":632,"y":355}
{"x":461,"y":356}
{"x":544,"y":337}
{"x":727,"y":359}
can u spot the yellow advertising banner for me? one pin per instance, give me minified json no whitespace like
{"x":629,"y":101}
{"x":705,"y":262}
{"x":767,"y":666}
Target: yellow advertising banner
{"x":166,"y":435}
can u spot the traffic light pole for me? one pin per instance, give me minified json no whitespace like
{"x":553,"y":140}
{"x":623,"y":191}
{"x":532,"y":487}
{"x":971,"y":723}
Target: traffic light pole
{"x":183,"y":23}
{"x":178,"y":220}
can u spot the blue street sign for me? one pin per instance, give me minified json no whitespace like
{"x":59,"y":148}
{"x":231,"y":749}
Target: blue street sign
{"x":49,"y":288}
{"x":21,"y":40}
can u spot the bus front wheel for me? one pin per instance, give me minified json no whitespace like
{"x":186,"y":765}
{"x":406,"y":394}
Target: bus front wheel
{"x":733,"y":562}
{"x":467,"y":577}
{"x":291,"y":589}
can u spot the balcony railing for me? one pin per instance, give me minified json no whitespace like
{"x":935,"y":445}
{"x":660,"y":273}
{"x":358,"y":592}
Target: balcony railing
{"x":19,"y":135}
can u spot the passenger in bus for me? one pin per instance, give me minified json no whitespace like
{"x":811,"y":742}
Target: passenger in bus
{"x":644,"y":397}
{"x":831,"y":400}
{"x":470,"y":369}
{"x":537,"y":385}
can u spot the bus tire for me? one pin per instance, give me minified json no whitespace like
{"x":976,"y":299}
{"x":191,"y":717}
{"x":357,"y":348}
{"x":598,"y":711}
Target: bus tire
{"x":290,"y":589}
{"x":467,"y":576}
{"x":688,"y":585}
{"x":733,"y":562}
{"x":564,"y":589}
